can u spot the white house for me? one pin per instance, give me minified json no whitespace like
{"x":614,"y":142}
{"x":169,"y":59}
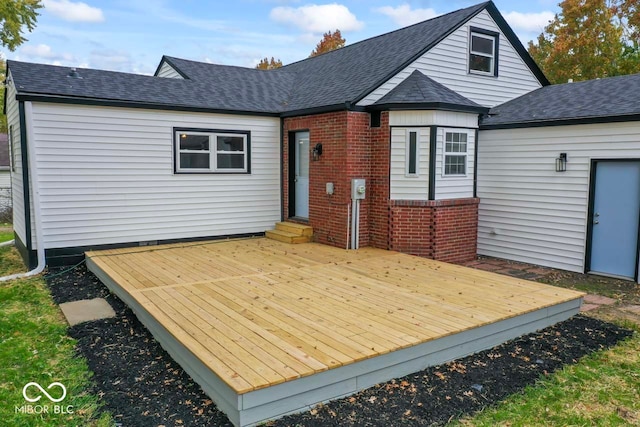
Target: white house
{"x":442,"y":119}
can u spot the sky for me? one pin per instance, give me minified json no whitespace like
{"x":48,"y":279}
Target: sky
{"x":132,"y":35}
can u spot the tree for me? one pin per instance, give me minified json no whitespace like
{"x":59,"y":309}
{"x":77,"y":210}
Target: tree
{"x":266,"y":64}
{"x":330,"y":41}
{"x":15,"y":16}
{"x":589,"y":39}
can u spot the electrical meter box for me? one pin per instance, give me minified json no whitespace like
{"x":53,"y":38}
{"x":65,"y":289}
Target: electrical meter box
{"x":358,"y":189}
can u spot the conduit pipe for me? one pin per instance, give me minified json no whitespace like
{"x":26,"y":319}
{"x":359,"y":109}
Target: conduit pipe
{"x":355,"y":224}
{"x":348,"y":223}
{"x":35,"y":188}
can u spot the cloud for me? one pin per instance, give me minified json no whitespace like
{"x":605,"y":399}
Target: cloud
{"x":74,"y":11}
{"x":403,"y":15}
{"x":317,"y":18}
{"x":109,"y":59}
{"x":44,"y":52}
{"x":528,"y":21}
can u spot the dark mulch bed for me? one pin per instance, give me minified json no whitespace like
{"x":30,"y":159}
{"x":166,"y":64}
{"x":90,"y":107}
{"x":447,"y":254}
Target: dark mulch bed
{"x":142,"y":386}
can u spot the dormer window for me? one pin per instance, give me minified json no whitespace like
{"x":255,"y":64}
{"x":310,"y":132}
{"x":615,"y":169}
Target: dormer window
{"x":483,"y":52}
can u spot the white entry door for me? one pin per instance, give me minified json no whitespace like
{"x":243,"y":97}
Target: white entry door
{"x":302,"y":175}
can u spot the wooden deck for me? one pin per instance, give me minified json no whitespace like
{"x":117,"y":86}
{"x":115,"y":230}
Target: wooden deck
{"x":257,"y":322}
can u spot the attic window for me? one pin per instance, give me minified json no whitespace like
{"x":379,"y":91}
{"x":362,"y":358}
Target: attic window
{"x":483,"y":52}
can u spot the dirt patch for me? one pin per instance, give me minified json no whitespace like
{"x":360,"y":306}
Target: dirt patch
{"x":141,"y":385}
{"x":623,"y":290}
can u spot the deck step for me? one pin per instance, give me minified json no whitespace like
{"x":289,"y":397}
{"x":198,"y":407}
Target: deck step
{"x":292,"y":227}
{"x":287,"y":237}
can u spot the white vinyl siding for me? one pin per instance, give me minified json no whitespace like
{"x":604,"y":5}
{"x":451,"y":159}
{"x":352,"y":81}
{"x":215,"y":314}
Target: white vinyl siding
{"x":454,"y":186}
{"x":433,"y":117}
{"x":403,"y":186}
{"x":13,"y":119}
{"x":528,"y":211}
{"x":107,"y":176}
{"x":447,"y":63}
{"x":5,"y":179}
{"x":168,"y":71}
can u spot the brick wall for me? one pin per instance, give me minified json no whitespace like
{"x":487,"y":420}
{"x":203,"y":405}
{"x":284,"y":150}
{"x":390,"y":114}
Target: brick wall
{"x":351,"y":149}
{"x":327,"y":214}
{"x":378,"y":184}
{"x":445,"y":230}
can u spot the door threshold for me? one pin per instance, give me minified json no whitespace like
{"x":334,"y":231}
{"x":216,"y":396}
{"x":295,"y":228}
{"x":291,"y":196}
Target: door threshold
{"x":612,"y":276}
{"x":298,"y":219}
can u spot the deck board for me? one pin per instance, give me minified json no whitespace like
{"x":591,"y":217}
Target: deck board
{"x":259,"y":313}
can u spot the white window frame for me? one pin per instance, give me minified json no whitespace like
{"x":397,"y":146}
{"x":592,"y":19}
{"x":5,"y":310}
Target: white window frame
{"x":212,"y":152}
{"x":494,"y":40}
{"x":407,"y":148}
{"x":445,"y":153}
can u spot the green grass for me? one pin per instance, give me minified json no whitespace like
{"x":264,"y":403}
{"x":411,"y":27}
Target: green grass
{"x":602,"y":389}
{"x":34,"y":346}
{"x":10,"y":261}
{"x":6,"y":236}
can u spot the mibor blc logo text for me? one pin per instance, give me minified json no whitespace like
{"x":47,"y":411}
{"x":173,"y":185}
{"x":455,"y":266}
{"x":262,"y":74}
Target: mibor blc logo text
{"x":33,"y":392}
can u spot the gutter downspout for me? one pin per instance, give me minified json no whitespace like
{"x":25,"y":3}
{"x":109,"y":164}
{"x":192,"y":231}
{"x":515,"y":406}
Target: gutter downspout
{"x":36,"y":199}
{"x":8,"y":243}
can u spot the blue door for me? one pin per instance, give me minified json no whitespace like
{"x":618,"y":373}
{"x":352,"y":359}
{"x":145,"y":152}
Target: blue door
{"x":302,"y":175}
{"x":616,"y":212}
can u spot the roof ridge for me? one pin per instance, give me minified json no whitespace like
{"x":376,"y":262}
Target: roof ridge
{"x":417,"y":85}
{"x":211,"y":63}
{"x":591,"y":81}
{"x":69,"y":67}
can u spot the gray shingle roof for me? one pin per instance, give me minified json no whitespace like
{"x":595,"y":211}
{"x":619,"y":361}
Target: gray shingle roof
{"x":588,"y":100}
{"x":348,"y":74}
{"x":229,"y":88}
{"x":332,"y":80}
{"x":419,"y":89}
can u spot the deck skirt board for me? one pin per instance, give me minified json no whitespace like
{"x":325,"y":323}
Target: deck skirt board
{"x":268,"y":328}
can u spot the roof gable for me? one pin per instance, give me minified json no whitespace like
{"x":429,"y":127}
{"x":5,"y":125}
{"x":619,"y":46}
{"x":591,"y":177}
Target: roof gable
{"x":346,"y":75}
{"x":165,"y":67}
{"x":516,"y":43}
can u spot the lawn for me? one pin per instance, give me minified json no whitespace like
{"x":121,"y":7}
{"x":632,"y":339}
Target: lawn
{"x":34,"y":347}
{"x":6,"y":236}
{"x":602,"y":389}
